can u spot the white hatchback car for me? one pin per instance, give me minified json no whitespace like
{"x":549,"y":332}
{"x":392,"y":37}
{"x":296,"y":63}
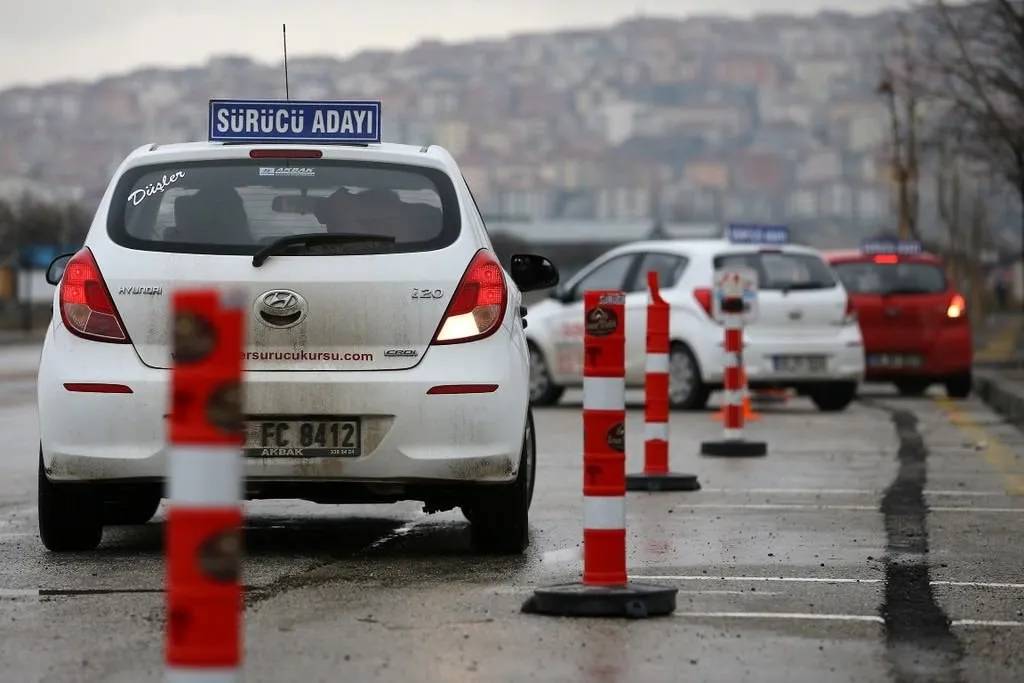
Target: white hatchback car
{"x":805,"y":336}
{"x":385,"y":359}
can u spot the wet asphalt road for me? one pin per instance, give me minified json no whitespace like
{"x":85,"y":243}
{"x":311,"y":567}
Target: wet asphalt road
{"x":885,"y":543}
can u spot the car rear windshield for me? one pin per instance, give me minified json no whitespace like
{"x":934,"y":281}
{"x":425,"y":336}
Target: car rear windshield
{"x":782,"y":270}
{"x":240,"y":206}
{"x":863,"y":277}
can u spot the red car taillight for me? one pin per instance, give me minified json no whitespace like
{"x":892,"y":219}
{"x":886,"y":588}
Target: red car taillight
{"x":478,"y":305}
{"x":957,"y":308}
{"x":703,"y":297}
{"x":85,"y":304}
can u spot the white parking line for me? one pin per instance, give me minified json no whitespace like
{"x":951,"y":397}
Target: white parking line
{"x":807,"y":616}
{"x":851,"y":492}
{"x":397,"y":533}
{"x":775,"y":506}
{"x":845,"y":508}
{"x":963,"y":509}
{"x":780,"y":579}
{"x":716,"y":592}
{"x":799,"y":616}
{"x":978,"y":584}
{"x":819,"y":579}
{"x":562,"y":555}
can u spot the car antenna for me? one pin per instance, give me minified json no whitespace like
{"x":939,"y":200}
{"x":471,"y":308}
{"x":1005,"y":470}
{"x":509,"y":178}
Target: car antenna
{"x":284,"y":42}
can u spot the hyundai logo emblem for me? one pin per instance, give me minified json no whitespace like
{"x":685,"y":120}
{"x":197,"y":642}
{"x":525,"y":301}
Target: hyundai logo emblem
{"x":280,"y":308}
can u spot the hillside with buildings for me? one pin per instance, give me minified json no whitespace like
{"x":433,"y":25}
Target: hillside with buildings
{"x":705,"y":120}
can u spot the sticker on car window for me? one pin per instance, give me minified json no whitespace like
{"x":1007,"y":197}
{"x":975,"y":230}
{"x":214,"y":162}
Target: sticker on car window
{"x":288,"y":171}
{"x":136,"y":197}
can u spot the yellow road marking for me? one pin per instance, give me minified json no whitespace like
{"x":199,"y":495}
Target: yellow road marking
{"x":998,"y":455}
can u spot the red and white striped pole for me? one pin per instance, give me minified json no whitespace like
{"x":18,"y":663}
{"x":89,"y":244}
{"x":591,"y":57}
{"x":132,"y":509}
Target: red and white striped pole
{"x":656,"y":475}
{"x":203,"y":537}
{"x":733,"y":442}
{"x":604,"y":440}
{"x":605,"y":589}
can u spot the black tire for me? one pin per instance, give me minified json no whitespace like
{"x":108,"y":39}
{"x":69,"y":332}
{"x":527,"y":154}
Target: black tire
{"x":70,"y":515}
{"x":499,"y":515}
{"x":959,"y":386}
{"x":911,"y":387}
{"x":132,"y":509}
{"x":686,"y":390}
{"x":543,"y":390}
{"x":832,"y":397}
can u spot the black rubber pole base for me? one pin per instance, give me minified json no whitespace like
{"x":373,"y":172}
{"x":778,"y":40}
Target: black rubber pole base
{"x":632,"y":601}
{"x":670,"y":481}
{"x":734,"y":448}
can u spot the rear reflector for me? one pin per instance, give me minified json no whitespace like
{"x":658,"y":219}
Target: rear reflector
{"x":85,"y":304}
{"x":462,"y":389}
{"x":96,"y":388}
{"x":285,"y":154}
{"x":478,"y":305}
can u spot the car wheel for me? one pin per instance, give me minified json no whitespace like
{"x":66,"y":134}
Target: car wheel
{"x":911,"y":387}
{"x":686,"y":390}
{"x":69,"y":515}
{"x":833,"y":396}
{"x":959,"y":386}
{"x":132,"y":509}
{"x":543,"y":390}
{"x":499,"y":515}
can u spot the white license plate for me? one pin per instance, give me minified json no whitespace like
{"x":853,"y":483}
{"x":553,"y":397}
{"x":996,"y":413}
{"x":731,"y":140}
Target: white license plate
{"x":799,"y":365}
{"x":312,"y":438}
{"x":894,"y":360}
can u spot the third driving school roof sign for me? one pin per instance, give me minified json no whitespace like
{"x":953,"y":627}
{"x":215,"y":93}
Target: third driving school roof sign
{"x":351,"y":121}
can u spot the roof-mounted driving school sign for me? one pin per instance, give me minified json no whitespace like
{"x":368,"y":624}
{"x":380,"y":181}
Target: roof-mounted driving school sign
{"x":755,"y":233}
{"x":350,"y":121}
{"x":891,"y":246}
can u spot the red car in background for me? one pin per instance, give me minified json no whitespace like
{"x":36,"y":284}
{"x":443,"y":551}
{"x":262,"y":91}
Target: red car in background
{"x":912,"y":318}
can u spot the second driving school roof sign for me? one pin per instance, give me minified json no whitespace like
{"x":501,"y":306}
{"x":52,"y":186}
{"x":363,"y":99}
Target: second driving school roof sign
{"x":755,"y":233}
{"x":351,"y":121}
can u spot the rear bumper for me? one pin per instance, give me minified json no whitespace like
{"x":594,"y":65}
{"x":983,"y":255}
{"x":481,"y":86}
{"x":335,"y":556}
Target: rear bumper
{"x":408,"y":437}
{"x":842,"y":349}
{"x":947,"y":352}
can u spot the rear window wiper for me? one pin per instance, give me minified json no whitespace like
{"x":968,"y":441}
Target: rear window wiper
{"x":311,"y":238}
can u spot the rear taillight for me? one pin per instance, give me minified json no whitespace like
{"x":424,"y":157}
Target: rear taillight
{"x":478,"y":305}
{"x":957,"y":307}
{"x":703,"y":297}
{"x":85,"y":304}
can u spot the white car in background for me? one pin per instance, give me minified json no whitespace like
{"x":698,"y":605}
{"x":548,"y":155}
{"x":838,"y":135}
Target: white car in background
{"x":805,"y":336}
{"x":385,"y":358}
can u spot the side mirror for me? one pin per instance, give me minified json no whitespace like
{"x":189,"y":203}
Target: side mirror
{"x":55,"y":271}
{"x":531,"y":272}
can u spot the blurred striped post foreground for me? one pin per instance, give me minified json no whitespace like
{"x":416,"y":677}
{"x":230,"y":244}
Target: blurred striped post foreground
{"x":205,"y":479}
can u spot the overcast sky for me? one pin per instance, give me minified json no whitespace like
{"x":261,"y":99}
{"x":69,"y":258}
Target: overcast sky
{"x":45,"y":40}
